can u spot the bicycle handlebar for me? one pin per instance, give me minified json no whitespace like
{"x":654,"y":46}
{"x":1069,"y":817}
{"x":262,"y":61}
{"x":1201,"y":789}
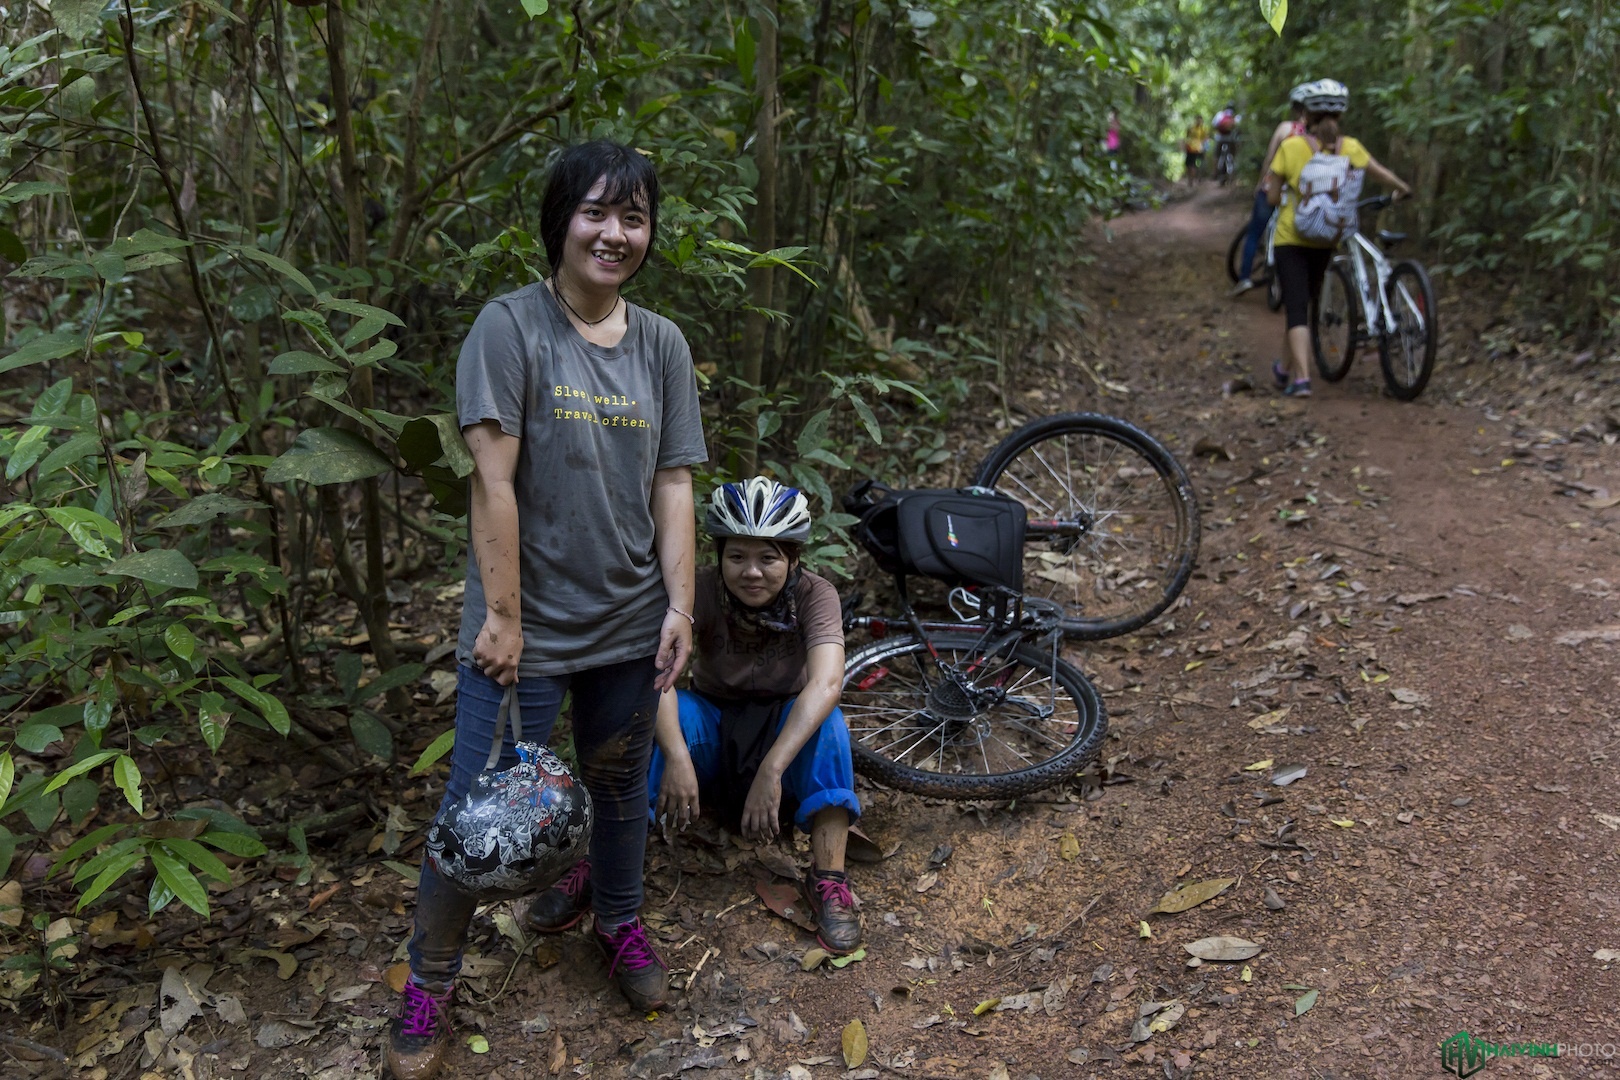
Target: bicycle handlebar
{"x":1377,"y":202}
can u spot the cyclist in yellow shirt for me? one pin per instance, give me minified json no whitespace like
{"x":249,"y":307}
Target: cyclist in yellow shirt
{"x":1302,"y":262}
{"x":1197,"y":135}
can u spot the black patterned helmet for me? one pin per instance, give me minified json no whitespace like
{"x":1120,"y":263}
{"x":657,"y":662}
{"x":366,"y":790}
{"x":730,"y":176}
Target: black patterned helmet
{"x":516,"y":832}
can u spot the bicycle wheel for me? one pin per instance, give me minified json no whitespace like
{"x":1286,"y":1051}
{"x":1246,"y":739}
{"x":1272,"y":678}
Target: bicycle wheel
{"x":1113,"y":522}
{"x":1234,"y":254}
{"x":1335,"y":316}
{"x":1273,"y":291}
{"x":1407,"y":355}
{"x":942,"y":719}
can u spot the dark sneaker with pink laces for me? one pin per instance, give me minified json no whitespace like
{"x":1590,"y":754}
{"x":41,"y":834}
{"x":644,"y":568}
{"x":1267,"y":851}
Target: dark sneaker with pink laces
{"x":561,"y":907}
{"x":635,"y":965}
{"x":838,"y":923}
{"x":418,"y":1034}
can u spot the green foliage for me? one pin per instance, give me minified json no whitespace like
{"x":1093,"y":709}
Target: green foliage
{"x":218,"y":353}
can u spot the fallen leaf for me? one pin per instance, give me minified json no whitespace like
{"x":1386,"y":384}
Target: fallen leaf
{"x":1026,"y":1002}
{"x":279,"y":1034}
{"x":1272,"y":718}
{"x":927,"y":881}
{"x":395,"y":976}
{"x":1168,"y":1018}
{"x":854,"y":1043}
{"x":178,"y":1003}
{"x":1248,"y":974}
{"x":1343,"y":823}
{"x":1053,"y":996}
{"x":1606,"y":955}
{"x":286,"y":963}
{"x":559,"y":1054}
{"x":1608,"y":820}
{"x":1143,"y":930}
{"x":985,"y":1006}
{"x":1409,"y":697}
{"x":1223,"y":948}
{"x":1068,"y":847}
{"x":1597,"y":633}
{"x":998,"y":1071}
{"x":786,"y":901}
{"x":1190,"y":896}
{"x":861,"y":848}
{"x":1258,"y":766}
{"x":1602,"y":504}
{"x":478,"y":1044}
{"x":228,"y":1007}
{"x":1287,"y":775}
{"x":845,"y":961}
{"x":1272,"y":900}
{"x":813,"y":958}
{"x":1409,"y":599}
{"x":11,"y":899}
{"x":1306,"y":1000}
{"x":1520,"y":632}
{"x":1078,"y":1056}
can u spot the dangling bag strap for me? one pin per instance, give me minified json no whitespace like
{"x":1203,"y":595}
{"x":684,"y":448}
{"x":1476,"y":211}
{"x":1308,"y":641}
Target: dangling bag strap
{"x":509,"y":705}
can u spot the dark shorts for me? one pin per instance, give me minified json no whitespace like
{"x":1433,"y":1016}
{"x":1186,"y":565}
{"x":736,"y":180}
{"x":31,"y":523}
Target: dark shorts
{"x":1194,"y":161}
{"x":1300,"y":271}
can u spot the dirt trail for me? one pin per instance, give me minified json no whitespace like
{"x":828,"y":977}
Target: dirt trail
{"x":1448,"y":862}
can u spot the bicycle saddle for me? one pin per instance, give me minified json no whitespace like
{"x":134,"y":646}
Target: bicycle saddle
{"x":1390,"y":239}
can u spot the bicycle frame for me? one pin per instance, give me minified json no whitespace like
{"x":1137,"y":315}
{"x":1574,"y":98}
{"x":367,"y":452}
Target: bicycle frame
{"x":1372,"y":286}
{"x":1010,"y":618}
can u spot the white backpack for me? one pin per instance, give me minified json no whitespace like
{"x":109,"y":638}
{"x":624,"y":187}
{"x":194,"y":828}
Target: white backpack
{"x":1329,"y":188}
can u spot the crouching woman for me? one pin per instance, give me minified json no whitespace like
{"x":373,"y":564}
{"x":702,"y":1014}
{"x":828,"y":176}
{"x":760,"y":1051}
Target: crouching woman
{"x":760,"y":731}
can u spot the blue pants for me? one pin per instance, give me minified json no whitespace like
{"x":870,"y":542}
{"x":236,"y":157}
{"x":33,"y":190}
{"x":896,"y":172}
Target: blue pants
{"x":821,"y":775}
{"x":1257,"y":229}
{"x":614,"y":712}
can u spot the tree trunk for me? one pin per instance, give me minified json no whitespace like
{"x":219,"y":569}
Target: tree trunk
{"x":756,"y":329}
{"x":373,"y":597}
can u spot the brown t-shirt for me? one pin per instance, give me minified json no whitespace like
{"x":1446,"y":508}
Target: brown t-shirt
{"x":733,"y":662}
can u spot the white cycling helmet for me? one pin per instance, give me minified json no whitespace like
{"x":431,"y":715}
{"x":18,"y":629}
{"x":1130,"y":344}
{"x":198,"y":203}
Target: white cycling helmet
{"x":759,"y":508}
{"x":1323,"y":96}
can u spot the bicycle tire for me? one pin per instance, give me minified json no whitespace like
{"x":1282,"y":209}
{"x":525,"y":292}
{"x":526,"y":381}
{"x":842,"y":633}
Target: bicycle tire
{"x":1234,"y":254}
{"x":1123,"y":519}
{"x":1337,"y":311}
{"x":896,"y":701}
{"x":1407,"y":371}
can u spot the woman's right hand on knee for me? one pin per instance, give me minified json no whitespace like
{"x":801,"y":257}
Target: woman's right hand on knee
{"x":678,"y":793}
{"x":498,"y":648}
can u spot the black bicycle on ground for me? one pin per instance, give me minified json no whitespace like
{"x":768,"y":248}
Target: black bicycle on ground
{"x":1078,"y":525}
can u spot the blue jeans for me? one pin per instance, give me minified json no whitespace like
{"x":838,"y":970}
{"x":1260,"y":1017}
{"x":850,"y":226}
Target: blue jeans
{"x":615,"y":709}
{"x":1257,"y":229}
{"x":820,"y":775}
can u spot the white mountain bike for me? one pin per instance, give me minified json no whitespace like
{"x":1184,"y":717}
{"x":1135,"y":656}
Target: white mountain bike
{"x":1364,"y":296}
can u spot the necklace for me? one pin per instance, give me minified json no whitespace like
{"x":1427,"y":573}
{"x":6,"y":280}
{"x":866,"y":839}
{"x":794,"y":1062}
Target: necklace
{"x":556,"y":290}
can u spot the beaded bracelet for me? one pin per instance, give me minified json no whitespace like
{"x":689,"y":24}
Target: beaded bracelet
{"x":683,"y":614}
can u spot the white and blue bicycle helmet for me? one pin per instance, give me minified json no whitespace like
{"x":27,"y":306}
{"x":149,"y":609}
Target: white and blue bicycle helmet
{"x":759,"y":508}
{"x":1323,"y":96}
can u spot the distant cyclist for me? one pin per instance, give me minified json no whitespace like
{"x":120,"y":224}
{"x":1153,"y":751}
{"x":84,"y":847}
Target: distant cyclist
{"x":1193,"y":147}
{"x":1226,"y":125}
{"x":1295,"y":125}
{"x":1322,"y":165}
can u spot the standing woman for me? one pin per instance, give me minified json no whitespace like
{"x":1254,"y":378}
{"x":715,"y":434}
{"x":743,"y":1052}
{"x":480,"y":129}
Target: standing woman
{"x":581,"y":412}
{"x":1302,"y":262}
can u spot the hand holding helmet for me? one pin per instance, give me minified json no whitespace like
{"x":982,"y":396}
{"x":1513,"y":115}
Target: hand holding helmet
{"x":516,"y":831}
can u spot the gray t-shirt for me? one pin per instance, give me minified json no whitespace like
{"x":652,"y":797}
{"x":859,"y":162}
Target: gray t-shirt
{"x":595,"y":423}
